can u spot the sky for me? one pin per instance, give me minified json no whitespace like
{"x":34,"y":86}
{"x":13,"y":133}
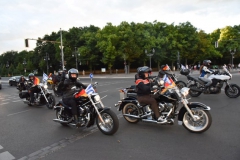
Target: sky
{"x":21,"y":19}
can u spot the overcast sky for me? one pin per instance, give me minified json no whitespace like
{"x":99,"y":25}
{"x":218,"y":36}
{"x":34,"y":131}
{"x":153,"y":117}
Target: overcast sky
{"x":20,"y":19}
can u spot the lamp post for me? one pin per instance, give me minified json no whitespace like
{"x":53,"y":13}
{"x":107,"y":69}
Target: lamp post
{"x":24,"y":63}
{"x":47,"y":58}
{"x":76,"y":54}
{"x":7,"y":66}
{"x":61,"y":47}
{"x":232,"y":52}
{"x":150,"y":55}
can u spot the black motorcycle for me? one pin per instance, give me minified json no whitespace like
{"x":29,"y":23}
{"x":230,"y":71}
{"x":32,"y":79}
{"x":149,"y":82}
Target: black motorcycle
{"x":90,"y":109}
{"x":43,"y":97}
{"x":194,"y":116}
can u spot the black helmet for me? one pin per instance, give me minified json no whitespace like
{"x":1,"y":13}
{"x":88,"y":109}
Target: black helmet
{"x":142,"y":70}
{"x":30,"y":75}
{"x":73,"y":71}
{"x":206,"y":62}
{"x":165,"y":69}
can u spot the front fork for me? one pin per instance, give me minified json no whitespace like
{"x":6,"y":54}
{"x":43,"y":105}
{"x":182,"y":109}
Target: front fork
{"x":184,"y":101}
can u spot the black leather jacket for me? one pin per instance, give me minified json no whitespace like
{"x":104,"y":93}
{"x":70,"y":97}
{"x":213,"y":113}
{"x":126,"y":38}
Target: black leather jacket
{"x":143,"y":87}
{"x":67,"y":87}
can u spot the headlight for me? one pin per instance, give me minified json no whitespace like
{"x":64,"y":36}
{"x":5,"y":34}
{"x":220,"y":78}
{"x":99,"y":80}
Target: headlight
{"x":184,"y":91}
{"x":45,"y":86}
{"x":160,"y":82}
{"x":97,"y":98}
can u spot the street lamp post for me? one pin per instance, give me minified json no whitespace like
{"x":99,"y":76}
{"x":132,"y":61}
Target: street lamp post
{"x":150,"y":55}
{"x":76,"y":54}
{"x":24,"y":63}
{"x":47,"y":58}
{"x":232,"y":52}
{"x":7,"y":66}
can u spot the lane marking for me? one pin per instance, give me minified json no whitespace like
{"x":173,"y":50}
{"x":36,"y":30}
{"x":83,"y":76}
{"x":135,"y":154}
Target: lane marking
{"x":17,"y":100}
{"x":4,"y":103}
{"x":18,"y":112}
{"x":6,"y":156}
{"x":103,"y":91}
{"x":1,"y":147}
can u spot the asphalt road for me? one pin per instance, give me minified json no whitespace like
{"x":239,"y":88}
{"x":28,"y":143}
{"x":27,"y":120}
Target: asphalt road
{"x":29,"y":132}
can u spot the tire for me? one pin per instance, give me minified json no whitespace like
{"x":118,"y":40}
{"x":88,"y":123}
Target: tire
{"x":234,"y":92}
{"x":180,"y":84}
{"x":194,"y":93}
{"x":51,"y":101}
{"x":111,"y":122}
{"x":59,"y":117}
{"x":201,"y":125}
{"x":131,"y":108}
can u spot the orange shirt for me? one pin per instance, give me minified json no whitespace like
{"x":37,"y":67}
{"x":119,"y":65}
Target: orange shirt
{"x":36,"y":81}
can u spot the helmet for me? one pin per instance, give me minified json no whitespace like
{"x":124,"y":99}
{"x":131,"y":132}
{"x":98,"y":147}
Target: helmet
{"x":73,"y":71}
{"x":30,"y":75}
{"x":165,"y":69}
{"x":206,"y":62}
{"x":142,"y":70}
{"x":60,"y":72}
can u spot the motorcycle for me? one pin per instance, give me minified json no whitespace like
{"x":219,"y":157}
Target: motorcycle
{"x":90,"y":109}
{"x":196,"y":85}
{"x":43,"y":97}
{"x":194,"y":116}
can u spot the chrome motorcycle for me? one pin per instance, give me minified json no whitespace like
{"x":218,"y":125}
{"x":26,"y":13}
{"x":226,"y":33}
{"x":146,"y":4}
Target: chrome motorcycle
{"x":43,"y":97}
{"x":194,"y":116}
{"x":90,"y":110}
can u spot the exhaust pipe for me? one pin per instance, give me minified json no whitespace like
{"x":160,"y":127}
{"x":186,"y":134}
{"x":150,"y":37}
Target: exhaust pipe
{"x":61,"y":121}
{"x":133,"y":116}
{"x":196,"y":89}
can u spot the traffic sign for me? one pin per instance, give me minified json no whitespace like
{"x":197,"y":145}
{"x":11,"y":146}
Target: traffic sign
{"x":91,"y":75}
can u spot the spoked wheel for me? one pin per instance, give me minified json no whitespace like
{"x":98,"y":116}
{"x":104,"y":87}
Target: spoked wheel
{"x":131,"y":109}
{"x":203,"y":122}
{"x":51,"y":101}
{"x":233,"y":91}
{"x":181,"y":84}
{"x":111,"y":123}
{"x":192,"y":92}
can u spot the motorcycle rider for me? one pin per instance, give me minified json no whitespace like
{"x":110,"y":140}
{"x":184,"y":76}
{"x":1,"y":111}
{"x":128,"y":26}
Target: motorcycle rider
{"x":35,"y":81}
{"x":204,"y":70}
{"x":21,"y":83}
{"x":68,"y":97}
{"x":143,"y":87}
{"x":62,"y":76}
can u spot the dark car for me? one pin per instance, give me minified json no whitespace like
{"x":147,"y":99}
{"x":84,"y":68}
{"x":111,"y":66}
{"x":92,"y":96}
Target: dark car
{"x":14,"y":80}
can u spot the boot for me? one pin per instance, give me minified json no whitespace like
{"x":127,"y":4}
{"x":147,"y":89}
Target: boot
{"x":76,"y":121}
{"x":205,"y":89}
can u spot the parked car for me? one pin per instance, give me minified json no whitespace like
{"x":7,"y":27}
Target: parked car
{"x":14,"y":80}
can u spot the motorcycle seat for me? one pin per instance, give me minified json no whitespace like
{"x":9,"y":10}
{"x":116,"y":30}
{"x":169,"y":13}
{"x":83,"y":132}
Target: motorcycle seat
{"x":65,"y":105}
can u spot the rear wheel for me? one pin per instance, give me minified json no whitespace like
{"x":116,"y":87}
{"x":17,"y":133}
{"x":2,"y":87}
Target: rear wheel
{"x":203,"y":122}
{"x":131,"y":109}
{"x":192,"y":92}
{"x":111,"y":123}
{"x":233,"y":91}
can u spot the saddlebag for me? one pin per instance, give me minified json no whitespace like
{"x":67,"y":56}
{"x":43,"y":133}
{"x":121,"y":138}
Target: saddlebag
{"x":24,"y":94}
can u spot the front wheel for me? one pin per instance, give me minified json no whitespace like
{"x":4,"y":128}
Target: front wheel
{"x":51,"y":101}
{"x":181,"y":84}
{"x":203,"y":122}
{"x":233,"y":91}
{"x":193,"y":92}
{"x":111,"y":123}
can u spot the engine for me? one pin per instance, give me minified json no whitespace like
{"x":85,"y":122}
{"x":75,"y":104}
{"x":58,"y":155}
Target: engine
{"x":166,"y":107}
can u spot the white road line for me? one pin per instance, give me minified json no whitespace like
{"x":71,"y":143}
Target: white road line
{"x":17,"y":100}
{"x":6,"y":156}
{"x":3,"y":103}
{"x":5,"y":99}
{"x":103,"y":91}
{"x":1,"y":147}
{"x":18,"y":112}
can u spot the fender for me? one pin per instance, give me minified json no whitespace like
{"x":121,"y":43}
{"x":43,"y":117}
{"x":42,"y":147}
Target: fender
{"x":196,"y":105}
{"x":123,"y":102}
